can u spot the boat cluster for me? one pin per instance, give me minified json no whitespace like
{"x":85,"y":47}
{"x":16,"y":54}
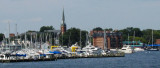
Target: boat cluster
{"x":18,"y":49}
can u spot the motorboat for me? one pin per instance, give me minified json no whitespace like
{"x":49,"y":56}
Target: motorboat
{"x":127,"y":49}
{"x":90,"y":49}
{"x":137,"y":49}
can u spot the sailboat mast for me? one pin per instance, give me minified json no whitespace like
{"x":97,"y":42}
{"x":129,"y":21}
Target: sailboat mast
{"x":62,"y":39}
{"x":9,"y":35}
{"x":152,"y":37}
{"x":105,"y":40}
{"x":25,"y":40}
{"x":35,"y":41}
{"x":86,"y":38}
{"x":128,"y":38}
{"x":16,"y":31}
{"x":31,"y":41}
{"x":133,"y":37}
{"x":69,"y":39}
{"x":51,"y":39}
{"x":80,"y":38}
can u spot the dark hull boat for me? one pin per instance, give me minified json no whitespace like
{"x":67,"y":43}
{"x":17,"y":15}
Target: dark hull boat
{"x":153,"y":48}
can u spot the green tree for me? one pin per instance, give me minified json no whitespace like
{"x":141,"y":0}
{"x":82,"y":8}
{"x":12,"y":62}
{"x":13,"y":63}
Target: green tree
{"x":98,"y":29}
{"x":109,"y":29}
{"x":72,"y":36}
{"x":147,"y":34}
{"x":130,"y":31}
{"x":1,"y":36}
{"x":43,"y":28}
{"x":138,"y":32}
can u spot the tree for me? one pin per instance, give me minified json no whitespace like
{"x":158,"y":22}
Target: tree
{"x":1,"y":36}
{"x":138,"y":32}
{"x":130,"y":31}
{"x":72,"y":36}
{"x":98,"y":29}
{"x":110,"y":29}
{"x":43,"y":28}
{"x":147,"y":35}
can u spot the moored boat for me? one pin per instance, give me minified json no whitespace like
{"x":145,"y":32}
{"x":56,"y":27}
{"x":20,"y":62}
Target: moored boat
{"x":127,"y":49}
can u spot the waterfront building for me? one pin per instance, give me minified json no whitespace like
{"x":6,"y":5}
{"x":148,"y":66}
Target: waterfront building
{"x":112,"y":39}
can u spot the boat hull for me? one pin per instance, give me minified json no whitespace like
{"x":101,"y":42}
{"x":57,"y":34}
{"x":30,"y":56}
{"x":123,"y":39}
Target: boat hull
{"x":152,"y":49}
{"x":127,"y":51}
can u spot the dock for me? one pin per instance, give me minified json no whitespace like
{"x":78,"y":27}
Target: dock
{"x":56,"y":57}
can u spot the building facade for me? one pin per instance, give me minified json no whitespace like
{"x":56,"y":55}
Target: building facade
{"x":11,"y":35}
{"x":109,"y":40}
{"x":157,"y":41}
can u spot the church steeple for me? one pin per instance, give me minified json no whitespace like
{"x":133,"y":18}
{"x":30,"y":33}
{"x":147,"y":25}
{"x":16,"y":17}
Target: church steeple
{"x":63,"y":17}
{"x":63,"y":25}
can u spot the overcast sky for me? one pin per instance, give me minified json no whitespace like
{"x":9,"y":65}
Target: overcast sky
{"x":83,"y":14}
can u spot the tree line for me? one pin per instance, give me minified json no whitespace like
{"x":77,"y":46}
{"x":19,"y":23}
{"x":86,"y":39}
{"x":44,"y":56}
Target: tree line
{"x":136,"y":34}
{"x":73,"y":35}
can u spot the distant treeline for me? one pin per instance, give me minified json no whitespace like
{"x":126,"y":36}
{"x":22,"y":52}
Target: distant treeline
{"x":137,"y":34}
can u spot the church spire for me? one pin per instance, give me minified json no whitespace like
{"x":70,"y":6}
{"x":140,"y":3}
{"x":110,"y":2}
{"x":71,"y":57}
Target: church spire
{"x":63,"y":25}
{"x":63,"y":17}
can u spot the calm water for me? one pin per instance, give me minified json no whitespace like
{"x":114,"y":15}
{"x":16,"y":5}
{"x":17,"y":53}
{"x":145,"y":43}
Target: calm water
{"x":136,"y":60}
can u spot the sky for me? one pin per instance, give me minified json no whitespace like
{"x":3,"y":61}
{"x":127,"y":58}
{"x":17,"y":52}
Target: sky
{"x":83,"y":14}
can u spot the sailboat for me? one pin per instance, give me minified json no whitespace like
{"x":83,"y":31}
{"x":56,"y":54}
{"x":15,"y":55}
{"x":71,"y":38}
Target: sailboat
{"x":152,"y":47}
{"x":136,"y":49}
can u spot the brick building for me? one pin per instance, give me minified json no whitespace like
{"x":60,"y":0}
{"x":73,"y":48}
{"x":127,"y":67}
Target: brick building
{"x":157,"y":41}
{"x":112,"y":39}
{"x":11,"y":35}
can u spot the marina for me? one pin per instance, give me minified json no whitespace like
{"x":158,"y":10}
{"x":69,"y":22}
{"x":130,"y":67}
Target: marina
{"x":56,"y":53}
{"x":79,"y":34}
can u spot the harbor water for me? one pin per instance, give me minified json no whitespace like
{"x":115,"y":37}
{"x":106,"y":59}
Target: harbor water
{"x":145,"y":59}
